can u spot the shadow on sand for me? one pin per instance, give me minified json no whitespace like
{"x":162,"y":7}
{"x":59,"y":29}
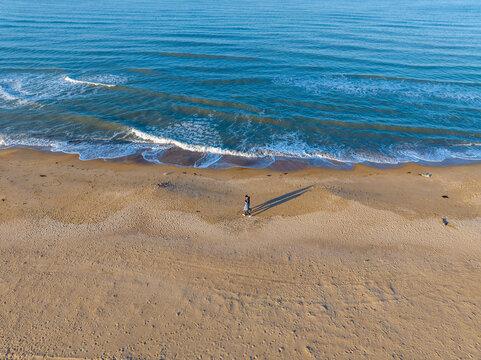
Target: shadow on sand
{"x":259,"y":209}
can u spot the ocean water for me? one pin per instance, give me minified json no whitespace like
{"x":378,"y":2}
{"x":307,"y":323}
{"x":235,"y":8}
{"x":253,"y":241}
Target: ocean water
{"x":267,"y":83}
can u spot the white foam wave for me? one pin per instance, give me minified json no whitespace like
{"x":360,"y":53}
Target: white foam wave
{"x":82,"y":82}
{"x":189,"y":147}
{"x":289,"y":145}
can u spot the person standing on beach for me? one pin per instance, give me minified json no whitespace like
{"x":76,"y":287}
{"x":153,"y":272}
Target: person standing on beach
{"x":247,"y":205}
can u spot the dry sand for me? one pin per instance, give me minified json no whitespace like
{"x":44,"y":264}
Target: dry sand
{"x":131,"y":261}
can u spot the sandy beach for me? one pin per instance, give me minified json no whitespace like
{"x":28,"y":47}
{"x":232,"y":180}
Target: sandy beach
{"x":132,"y":261}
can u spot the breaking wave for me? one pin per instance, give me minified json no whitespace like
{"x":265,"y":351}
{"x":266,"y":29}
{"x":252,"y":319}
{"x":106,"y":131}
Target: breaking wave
{"x":91,"y":83}
{"x":189,"y":147}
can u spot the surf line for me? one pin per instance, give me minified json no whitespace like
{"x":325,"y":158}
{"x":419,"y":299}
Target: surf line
{"x":86,"y":82}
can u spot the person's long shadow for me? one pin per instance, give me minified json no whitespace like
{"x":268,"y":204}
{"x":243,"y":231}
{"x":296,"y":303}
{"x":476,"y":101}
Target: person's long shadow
{"x":259,"y":209}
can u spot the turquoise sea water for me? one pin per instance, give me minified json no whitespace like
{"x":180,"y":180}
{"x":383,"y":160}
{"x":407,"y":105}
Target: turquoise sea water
{"x":244,"y":83}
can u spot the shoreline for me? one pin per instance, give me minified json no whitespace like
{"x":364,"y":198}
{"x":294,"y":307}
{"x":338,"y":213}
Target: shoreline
{"x":180,"y":157}
{"x":102,"y":259}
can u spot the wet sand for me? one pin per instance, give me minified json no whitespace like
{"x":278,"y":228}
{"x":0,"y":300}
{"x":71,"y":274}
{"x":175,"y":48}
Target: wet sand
{"x":130,"y":261}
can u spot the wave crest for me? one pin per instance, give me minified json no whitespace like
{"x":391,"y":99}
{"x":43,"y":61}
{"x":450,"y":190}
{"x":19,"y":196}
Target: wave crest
{"x":91,"y":83}
{"x":189,"y":147}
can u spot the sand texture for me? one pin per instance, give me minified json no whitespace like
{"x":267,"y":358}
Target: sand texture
{"x":130,"y":261}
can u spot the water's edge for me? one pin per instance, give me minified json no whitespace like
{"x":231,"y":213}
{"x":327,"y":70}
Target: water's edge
{"x":175,"y":156}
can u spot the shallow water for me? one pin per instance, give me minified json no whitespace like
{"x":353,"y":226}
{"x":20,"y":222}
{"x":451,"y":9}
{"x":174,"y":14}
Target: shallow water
{"x":244,"y":83}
